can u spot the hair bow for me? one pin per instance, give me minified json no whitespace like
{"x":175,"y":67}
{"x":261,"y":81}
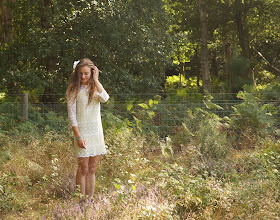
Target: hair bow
{"x":75,"y":64}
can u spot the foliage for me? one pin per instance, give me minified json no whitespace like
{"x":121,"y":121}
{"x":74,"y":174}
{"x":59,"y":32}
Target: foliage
{"x":265,"y":91}
{"x":194,"y":172}
{"x":181,"y":85}
{"x":238,"y":32}
{"x":136,"y":43}
{"x":239,"y":67}
{"x":251,"y":114}
{"x":127,"y":46}
{"x":7,"y":194}
{"x":171,"y":156}
{"x":212,"y":144}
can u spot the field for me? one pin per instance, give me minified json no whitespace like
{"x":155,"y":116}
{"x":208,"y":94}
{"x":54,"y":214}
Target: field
{"x":207,"y":168}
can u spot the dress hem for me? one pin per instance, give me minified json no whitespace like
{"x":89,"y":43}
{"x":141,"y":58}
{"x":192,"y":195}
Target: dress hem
{"x":93,"y":155}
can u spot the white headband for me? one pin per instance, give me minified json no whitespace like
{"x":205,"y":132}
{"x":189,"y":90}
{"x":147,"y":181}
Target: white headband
{"x":75,"y":64}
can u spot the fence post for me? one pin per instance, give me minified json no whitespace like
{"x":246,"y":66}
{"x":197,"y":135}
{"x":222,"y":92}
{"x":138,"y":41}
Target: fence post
{"x":24,"y":112}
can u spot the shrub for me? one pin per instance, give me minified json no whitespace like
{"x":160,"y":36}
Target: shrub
{"x":253,"y":117}
{"x":211,"y":142}
{"x":7,"y":193}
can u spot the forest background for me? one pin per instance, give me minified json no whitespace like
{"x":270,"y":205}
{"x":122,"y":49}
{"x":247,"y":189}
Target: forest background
{"x":158,"y":60}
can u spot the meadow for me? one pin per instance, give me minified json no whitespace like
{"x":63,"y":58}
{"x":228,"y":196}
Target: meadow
{"x":206,"y":167}
{"x":182,"y":144}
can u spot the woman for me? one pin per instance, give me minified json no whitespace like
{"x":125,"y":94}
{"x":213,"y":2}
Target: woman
{"x":84,"y":94}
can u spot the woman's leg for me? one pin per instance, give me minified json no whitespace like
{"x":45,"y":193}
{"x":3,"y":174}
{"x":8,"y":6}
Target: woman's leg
{"x":90,"y":179}
{"x":82,"y":172}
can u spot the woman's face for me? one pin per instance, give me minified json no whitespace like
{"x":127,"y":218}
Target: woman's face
{"x":85,"y":73}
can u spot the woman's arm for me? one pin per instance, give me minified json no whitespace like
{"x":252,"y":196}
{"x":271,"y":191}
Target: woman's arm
{"x":71,"y":106}
{"x":81,"y":142}
{"x":103,"y":95}
{"x":95,"y":79}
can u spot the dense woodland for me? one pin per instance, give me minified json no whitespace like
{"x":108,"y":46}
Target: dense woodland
{"x":192,"y":125}
{"x":136,"y":44}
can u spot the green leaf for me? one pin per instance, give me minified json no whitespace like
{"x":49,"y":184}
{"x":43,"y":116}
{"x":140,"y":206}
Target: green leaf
{"x":129,"y":123}
{"x":211,"y":105}
{"x":144,"y":105}
{"x":117,"y":186}
{"x":129,"y":107}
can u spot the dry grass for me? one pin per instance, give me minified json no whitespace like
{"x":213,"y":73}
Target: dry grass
{"x":136,"y":181}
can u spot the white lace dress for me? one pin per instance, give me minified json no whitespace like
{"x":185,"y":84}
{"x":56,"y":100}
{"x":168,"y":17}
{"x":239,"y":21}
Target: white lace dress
{"x":88,"y":119}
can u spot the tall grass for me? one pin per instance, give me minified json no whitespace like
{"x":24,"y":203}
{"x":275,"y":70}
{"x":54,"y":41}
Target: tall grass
{"x":195,"y":173}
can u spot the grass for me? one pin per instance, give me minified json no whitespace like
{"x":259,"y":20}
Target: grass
{"x":135,"y":180}
{"x":210,"y":168}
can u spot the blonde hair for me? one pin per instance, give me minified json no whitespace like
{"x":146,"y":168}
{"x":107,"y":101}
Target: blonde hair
{"x":75,"y":81}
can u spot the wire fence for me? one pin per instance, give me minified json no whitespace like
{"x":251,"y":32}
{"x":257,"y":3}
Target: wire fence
{"x":162,"y":112}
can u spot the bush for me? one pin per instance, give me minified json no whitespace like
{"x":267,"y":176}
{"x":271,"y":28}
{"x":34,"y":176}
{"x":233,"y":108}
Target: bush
{"x":7,"y":193}
{"x":252,"y":116}
{"x":193,"y":172}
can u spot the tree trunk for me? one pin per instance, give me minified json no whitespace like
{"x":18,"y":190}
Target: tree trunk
{"x":6,"y":19}
{"x":182,"y":72}
{"x":50,"y":60}
{"x":227,"y":49}
{"x":214,"y":64}
{"x":46,"y":14}
{"x":240,"y":13}
{"x":204,"y":49}
{"x":227,"y":44}
{"x":240,"y":17}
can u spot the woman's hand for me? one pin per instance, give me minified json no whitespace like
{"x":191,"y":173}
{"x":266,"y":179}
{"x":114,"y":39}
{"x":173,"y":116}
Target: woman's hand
{"x":81,"y":143}
{"x":95,"y":78}
{"x":95,"y":73}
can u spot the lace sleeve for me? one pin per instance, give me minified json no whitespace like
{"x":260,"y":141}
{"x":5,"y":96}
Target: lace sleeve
{"x":71,"y":106}
{"x":103,"y":96}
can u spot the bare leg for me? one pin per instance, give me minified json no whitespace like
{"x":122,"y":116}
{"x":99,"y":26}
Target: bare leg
{"x":90,"y":179}
{"x":82,"y":171}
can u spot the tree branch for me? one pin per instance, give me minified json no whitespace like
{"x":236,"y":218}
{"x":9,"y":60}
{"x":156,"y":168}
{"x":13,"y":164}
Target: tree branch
{"x":266,"y":61}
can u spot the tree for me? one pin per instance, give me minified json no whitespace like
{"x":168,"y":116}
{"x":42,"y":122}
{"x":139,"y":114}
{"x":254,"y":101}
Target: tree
{"x":240,"y":37}
{"x":6,"y":18}
{"x":49,"y":35}
{"x":204,"y":48}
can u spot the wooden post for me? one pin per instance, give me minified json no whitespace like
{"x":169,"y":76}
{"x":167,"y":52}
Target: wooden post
{"x":24,"y":112}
